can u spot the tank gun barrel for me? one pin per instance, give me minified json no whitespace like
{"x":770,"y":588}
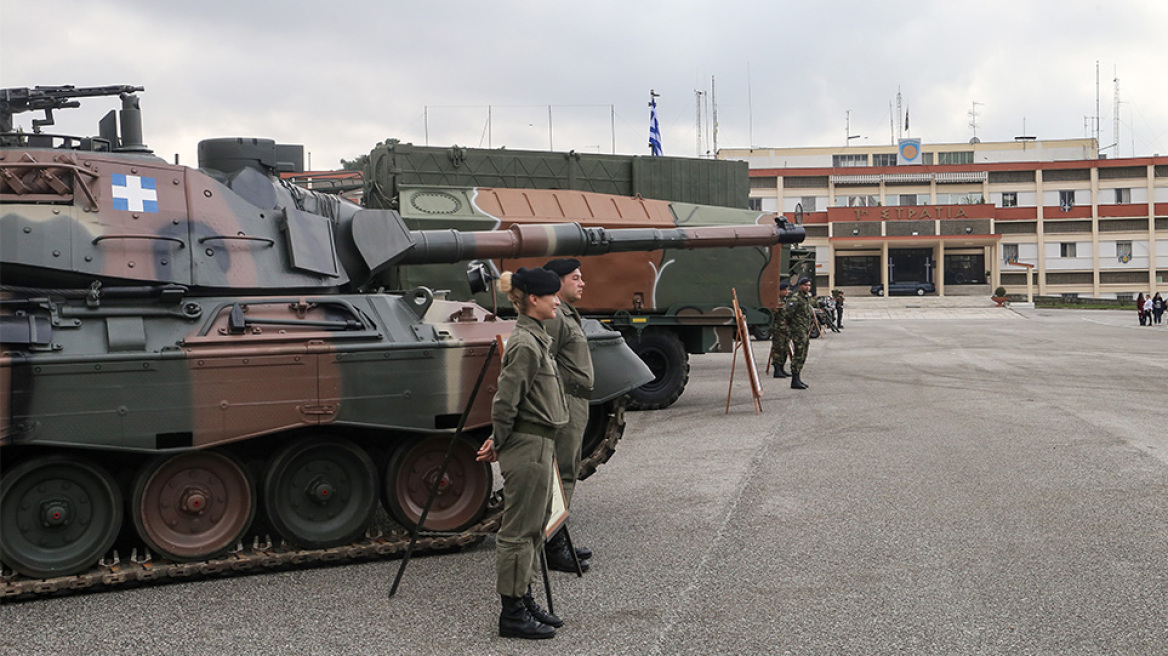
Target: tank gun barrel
{"x":551,"y":240}
{"x":445,"y":246}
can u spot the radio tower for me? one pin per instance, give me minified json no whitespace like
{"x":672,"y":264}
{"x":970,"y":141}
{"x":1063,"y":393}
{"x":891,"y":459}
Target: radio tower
{"x":973,"y":121}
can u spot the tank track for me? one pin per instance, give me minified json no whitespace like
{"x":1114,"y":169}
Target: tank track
{"x":113,"y":572}
{"x":263,"y":555}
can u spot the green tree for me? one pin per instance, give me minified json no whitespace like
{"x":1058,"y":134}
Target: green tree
{"x":356,"y":164}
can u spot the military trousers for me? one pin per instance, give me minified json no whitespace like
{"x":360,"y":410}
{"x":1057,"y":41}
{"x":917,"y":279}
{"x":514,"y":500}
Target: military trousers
{"x":801,"y":342}
{"x":526,"y":464}
{"x":779,"y":346}
{"x":568,"y":442}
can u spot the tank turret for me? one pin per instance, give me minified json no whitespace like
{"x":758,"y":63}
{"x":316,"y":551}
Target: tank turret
{"x":81,"y":215}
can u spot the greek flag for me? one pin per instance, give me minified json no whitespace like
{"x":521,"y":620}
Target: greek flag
{"x":654,"y":131}
{"x":132,"y":193}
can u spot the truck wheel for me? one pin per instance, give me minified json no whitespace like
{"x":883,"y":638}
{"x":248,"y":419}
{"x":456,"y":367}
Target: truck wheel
{"x":667,"y":359}
{"x":760,"y":332}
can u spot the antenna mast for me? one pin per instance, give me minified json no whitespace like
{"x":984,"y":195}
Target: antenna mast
{"x":698,"y":102}
{"x":973,"y":118}
{"x":714,"y":102}
{"x":1117,"y":113}
{"x":1097,"y":106}
{"x":899,"y":116}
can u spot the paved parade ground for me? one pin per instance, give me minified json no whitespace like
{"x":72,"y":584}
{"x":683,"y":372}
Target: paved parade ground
{"x":954,"y":482}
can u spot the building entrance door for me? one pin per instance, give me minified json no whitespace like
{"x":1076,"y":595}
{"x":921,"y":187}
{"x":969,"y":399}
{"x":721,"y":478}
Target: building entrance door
{"x":910,"y":265}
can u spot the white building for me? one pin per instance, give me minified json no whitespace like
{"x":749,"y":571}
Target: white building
{"x":967,"y":217}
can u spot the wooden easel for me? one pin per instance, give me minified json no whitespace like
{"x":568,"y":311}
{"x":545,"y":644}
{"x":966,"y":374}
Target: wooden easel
{"x":742,"y":341}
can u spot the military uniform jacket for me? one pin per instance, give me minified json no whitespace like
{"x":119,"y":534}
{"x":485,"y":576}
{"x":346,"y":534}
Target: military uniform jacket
{"x":779,"y":318}
{"x":570,"y":350}
{"x":529,"y":387}
{"x":800,"y":314}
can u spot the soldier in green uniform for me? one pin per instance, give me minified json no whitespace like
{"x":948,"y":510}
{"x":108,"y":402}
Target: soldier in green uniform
{"x":574,"y":361}
{"x":780,"y":338}
{"x":528,"y":410}
{"x":800,"y":313}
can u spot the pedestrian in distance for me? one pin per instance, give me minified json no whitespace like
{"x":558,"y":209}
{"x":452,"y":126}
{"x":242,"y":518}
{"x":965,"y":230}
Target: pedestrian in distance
{"x":528,"y":410}
{"x":1140,"y":308}
{"x":1157,"y":308}
{"x":1149,"y":307}
{"x":839,"y":309}
{"x":574,"y":361}
{"x":780,"y":338}
{"x":800,"y":312}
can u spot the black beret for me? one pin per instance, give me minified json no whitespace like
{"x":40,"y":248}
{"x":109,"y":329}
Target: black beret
{"x":562,"y":266}
{"x":804,"y":279}
{"x":784,"y":285}
{"x":540,"y":282}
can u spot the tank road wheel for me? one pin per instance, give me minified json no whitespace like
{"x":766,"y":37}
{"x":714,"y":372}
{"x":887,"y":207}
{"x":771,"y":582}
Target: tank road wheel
{"x":667,"y":359}
{"x":320,"y":492}
{"x":58,"y":516}
{"x":193,"y":505}
{"x":606,"y":426}
{"x":462,"y":493}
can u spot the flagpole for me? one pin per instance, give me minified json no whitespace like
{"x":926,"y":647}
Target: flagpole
{"x":654,"y":130}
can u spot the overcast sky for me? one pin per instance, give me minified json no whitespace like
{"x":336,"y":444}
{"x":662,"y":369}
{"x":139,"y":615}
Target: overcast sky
{"x":341,"y":76}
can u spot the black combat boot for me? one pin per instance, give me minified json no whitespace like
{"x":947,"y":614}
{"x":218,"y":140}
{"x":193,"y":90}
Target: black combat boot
{"x":516,"y":622}
{"x":797,"y":383}
{"x":583,"y":553}
{"x":779,"y":373}
{"x":540,"y":615}
{"x":558,"y":556}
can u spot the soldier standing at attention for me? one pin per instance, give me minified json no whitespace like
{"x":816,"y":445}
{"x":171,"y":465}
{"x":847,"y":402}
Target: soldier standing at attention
{"x":780,"y":338}
{"x":529,"y":408}
{"x":800,"y":316}
{"x":574,"y":361}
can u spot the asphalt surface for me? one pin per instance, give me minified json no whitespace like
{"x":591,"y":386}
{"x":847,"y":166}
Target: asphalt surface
{"x":992,"y":483}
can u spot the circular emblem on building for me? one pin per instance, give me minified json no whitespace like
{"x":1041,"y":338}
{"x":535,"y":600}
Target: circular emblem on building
{"x":909,"y":151}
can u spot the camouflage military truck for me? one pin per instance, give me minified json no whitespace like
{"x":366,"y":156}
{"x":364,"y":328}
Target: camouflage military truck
{"x":668,"y":303}
{"x":193,"y":360}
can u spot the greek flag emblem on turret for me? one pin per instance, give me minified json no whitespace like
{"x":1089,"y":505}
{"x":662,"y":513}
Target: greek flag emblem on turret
{"x":132,"y":193}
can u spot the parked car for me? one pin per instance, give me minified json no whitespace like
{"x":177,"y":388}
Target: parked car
{"x":904,"y":288}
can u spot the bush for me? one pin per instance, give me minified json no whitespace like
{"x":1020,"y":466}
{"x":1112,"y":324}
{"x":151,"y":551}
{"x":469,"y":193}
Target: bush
{"x":999,"y":292}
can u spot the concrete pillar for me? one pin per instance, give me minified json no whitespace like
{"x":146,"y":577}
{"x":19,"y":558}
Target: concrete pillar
{"x":884,"y":267}
{"x":939,"y":277}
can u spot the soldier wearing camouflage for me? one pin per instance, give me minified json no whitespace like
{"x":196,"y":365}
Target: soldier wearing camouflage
{"x":780,"y":336}
{"x":800,"y":312}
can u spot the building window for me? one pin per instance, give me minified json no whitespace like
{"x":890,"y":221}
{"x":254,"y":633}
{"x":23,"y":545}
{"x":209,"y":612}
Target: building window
{"x":808,"y":203}
{"x":1066,"y":200}
{"x":861,"y":201}
{"x":963,"y":157}
{"x":849,"y":160}
{"x":754,"y":204}
{"x":1067,"y":249}
{"x":1010,"y":199}
{"x":1123,"y":251}
{"x":908,"y":199}
{"x":1123,"y":196}
{"x":971,"y":199}
{"x":927,"y":159}
{"x":884,"y":159}
{"x":1009,"y":253}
